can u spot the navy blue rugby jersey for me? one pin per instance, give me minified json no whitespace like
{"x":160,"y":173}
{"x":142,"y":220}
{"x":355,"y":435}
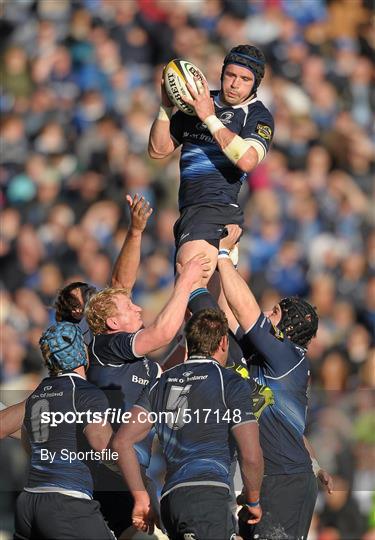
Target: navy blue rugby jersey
{"x":206,"y":174}
{"x":284,"y":367}
{"x":198,"y":404}
{"x":121,"y":374}
{"x":52,"y":447}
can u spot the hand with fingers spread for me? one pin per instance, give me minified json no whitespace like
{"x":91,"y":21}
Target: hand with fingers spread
{"x":140,"y":211}
{"x":200,"y":99}
{"x":229,"y":241}
{"x":197,"y":268}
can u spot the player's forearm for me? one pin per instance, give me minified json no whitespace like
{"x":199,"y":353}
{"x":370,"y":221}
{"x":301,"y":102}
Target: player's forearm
{"x":242,"y":153}
{"x":314,"y":462}
{"x":252,"y":470}
{"x":241,"y":300}
{"x":161,"y":332}
{"x":11,"y":419}
{"x":172,"y":316}
{"x":125,"y":270}
{"x":130,"y":469}
{"x":160,"y":142}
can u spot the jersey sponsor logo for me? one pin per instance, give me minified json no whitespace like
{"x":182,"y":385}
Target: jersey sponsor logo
{"x":263,"y":131}
{"x":139,"y":380}
{"x":46,"y":388}
{"x":277,"y":333}
{"x":187,"y":373}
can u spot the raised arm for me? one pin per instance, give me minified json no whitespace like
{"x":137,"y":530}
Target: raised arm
{"x":160,"y":143}
{"x":168,"y":322}
{"x":135,"y":430}
{"x":126,"y":266}
{"x":240,"y":298}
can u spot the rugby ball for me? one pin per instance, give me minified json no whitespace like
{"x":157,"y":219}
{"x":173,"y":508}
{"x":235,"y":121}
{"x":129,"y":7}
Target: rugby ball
{"x":176,"y":74}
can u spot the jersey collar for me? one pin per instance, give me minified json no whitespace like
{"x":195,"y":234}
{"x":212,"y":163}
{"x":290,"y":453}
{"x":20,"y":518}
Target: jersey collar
{"x":200,"y":359}
{"x":71,"y":374}
{"x":243,"y":105}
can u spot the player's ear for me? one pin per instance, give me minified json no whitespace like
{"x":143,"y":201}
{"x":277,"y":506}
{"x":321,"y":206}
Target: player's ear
{"x":224,"y":343}
{"x":112,"y":323}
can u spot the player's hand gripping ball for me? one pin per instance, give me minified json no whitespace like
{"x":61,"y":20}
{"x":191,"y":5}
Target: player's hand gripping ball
{"x":176,"y":74}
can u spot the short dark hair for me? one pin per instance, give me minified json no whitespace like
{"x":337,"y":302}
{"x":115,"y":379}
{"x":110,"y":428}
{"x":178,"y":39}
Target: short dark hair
{"x":66,"y":302}
{"x":205,"y":330}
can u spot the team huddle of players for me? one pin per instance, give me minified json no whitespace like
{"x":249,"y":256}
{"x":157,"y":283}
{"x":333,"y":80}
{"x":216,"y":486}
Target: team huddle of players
{"x":232,"y":389}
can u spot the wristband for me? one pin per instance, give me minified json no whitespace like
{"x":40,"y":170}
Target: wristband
{"x":253,"y":504}
{"x":213,"y":124}
{"x":315,"y":466}
{"x":223,"y":251}
{"x":165,"y":113}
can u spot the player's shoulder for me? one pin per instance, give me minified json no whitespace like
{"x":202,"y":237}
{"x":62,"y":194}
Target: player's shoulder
{"x":259,"y":113}
{"x":45,"y":385}
{"x":115,"y":347}
{"x":87,"y":391}
{"x":76,"y":382}
{"x":230,"y":376}
{"x":259,"y":107}
{"x":269,"y":333}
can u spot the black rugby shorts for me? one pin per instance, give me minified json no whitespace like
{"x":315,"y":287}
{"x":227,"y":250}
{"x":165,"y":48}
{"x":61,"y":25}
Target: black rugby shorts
{"x":288,"y":502}
{"x":205,"y":222}
{"x":198,"y":513}
{"x":43,"y":516}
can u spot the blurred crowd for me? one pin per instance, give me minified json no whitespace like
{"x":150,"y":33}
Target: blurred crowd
{"x":80,"y":88}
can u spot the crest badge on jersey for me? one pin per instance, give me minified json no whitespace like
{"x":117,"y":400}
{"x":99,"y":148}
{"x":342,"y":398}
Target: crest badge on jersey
{"x":263,"y":131}
{"x":277,"y":333}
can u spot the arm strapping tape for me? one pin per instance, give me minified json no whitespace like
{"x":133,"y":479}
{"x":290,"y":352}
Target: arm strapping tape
{"x":165,"y":113}
{"x":237,"y":146}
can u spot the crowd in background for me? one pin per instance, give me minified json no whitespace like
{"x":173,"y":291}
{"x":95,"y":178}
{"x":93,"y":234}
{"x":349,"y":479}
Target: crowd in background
{"x":80,"y":88}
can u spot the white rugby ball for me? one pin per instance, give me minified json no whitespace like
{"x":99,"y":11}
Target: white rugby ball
{"x":176,"y":74}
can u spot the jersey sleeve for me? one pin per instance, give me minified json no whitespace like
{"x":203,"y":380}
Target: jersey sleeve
{"x":279,"y":354}
{"x":177,"y":126}
{"x":259,"y":127}
{"x":90,"y":398}
{"x":238,"y":402}
{"x":123,"y":346}
{"x":143,"y":402}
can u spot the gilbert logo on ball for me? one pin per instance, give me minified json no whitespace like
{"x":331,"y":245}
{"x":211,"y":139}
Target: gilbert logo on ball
{"x":176,"y":74}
